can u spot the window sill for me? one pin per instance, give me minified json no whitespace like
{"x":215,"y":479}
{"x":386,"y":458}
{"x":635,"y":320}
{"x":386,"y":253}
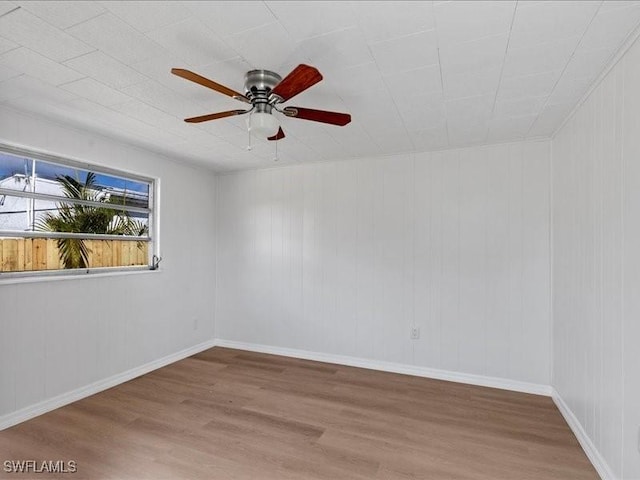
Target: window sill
{"x":11,"y":279}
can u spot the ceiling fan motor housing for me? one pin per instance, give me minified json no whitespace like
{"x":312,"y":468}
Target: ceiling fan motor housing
{"x":258,"y":85}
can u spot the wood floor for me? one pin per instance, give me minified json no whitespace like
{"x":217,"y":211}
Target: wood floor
{"x":229,"y":414}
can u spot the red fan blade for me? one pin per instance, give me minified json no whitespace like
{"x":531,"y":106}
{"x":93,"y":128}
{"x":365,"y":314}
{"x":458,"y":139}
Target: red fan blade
{"x":215,"y":116}
{"x":301,"y":78}
{"x":278,"y":135}
{"x":205,"y":82}
{"x":333,"y":118}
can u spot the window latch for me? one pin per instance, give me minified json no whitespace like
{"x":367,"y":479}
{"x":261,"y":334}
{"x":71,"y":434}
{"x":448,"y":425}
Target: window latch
{"x":155,"y":262}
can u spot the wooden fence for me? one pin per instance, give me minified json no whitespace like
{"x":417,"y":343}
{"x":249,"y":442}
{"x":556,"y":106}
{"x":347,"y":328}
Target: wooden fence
{"x":28,"y":254}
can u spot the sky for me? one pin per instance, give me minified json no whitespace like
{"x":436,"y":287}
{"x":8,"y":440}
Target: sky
{"x":12,"y":164}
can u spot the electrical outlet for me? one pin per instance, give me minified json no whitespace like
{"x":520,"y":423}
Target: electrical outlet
{"x":415,"y":333}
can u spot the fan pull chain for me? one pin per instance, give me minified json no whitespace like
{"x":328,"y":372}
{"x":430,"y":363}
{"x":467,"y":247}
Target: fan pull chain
{"x":276,"y":157}
{"x":249,"y":147}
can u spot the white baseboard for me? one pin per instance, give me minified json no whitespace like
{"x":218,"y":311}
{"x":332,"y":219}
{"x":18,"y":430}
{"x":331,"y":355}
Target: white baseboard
{"x":597,"y":460}
{"x":472,"y":379}
{"x":45,"y":406}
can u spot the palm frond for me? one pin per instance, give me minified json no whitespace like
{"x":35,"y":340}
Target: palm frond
{"x":74,"y":218}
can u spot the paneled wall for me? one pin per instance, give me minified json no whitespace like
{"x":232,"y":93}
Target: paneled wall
{"x":58,"y":336}
{"x":596,"y":272}
{"x":345,"y":257}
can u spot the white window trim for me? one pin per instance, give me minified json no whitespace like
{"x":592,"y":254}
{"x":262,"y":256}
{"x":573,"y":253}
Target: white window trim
{"x":153,"y":211}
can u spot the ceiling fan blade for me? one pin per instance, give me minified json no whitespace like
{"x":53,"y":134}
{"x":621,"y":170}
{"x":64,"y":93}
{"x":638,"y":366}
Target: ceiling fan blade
{"x":278,"y":135}
{"x":215,"y":116}
{"x":301,"y":78}
{"x":205,"y":82}
{"x":323,"y":116}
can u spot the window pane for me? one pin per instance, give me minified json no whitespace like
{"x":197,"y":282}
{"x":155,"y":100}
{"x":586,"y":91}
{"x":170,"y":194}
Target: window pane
{"x":36,"y":254}
{"x":62,"y":215}
{"x":13,"y":213}
{"x":50,"y":179}
{"x":68,"y":217}
{"x":15,"y":172}
{"x":27,"y":214}
{"x":124,"y":192}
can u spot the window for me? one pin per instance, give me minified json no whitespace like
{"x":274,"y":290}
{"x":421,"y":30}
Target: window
{"x":62,"y":215}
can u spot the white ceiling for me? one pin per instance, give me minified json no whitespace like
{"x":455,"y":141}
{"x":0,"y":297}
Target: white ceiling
{"x":415,"y":76}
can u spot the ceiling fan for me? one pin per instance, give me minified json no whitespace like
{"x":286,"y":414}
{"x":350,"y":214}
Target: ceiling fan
{"x":265,"y":91}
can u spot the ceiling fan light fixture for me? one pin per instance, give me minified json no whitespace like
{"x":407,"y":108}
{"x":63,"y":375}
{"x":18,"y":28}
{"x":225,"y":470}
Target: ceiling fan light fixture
{"x":263,"y":124}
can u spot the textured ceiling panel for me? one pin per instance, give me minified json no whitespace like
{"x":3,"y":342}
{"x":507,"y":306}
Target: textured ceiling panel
{"x":415,"y":76}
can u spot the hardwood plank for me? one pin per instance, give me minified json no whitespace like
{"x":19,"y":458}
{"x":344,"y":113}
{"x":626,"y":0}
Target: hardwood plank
{"x":125,"y":253}
{"x":28,"y":254}
{"x":20,"y":255}
{"x":52,"y":261}
{"x":229,"y":414}
{"x":116,"y":253}
{"x":141,"y":254}
{"x":107,"y":253}
{"x":10,"y":255}
{"x":39,"y":253}
{"x":95,"y":254}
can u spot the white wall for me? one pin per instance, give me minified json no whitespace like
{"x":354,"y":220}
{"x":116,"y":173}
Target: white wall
{"x":343,"y":257}
{"x":58,"y":336}
{"x":596,"y":266}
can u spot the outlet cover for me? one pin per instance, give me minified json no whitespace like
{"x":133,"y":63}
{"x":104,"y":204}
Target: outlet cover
{"x":415,"y":333}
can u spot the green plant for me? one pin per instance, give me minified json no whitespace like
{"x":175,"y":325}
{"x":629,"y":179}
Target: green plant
{"x":75,"y":218}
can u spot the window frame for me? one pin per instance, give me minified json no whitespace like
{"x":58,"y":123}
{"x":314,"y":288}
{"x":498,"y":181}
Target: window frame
{"x":153,"y":256}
